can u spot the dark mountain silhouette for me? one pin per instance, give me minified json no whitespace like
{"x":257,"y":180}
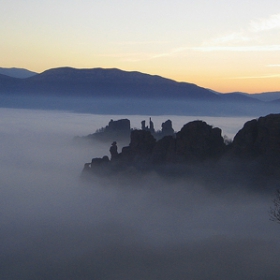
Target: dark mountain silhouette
{"x":113,"y":91}
{"x":7,"y":81}
{"x":275,"y":101}
{"x":239,"y":97}
{"x":17,"y":72}
{"x":267,"y":96}
{"x":105,"y":83}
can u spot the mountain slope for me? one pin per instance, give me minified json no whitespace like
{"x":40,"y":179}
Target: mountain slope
{"x":113,"y":91}
{"x":240,"y":97}
{"x":105,"y":83}
{"x":17,"y":72}
{"x":267,"y":96}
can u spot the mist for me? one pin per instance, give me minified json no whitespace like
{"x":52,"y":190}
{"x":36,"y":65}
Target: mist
{"x":54,"y":226}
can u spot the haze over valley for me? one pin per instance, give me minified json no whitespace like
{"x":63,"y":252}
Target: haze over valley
{"x":189,"y":189}
{"x":129,"y":226}
{"x":55,"y":226}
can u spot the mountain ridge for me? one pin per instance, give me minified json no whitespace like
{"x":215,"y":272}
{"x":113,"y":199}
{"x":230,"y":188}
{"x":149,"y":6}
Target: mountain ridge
{"x":114,"y":75}
{"x":113,"y":82}
{"x":21,"y":73}
{"x":115,"y":91}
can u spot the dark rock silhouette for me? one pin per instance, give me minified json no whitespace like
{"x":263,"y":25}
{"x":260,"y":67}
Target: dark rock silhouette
{"x":199,"y":150}
{"x":259,"y":137}
{"x":150,"y":128}
{"x":99,"y":161}
{"x":119,"y":125}
{"x":197,"y":141}
{"x":140,"y":148}
{"x":258,"y":143}
{"x":164,"y":151}
{"x":167,"y":128}
{"x":120,"y":130}
{"x":143,"y":125}
{"x":114,"y":151}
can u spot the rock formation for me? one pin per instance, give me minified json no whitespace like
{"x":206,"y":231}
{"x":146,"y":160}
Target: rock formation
{"x":116,"y":130}
{"x":140,"y":148}
{"x":164,"y":151}
{"x":119,"y":125}
{"x":198,"y":152}
{"x":198,"y":141}
{"x":259,"y":137}
{"x":120,"y":130}
{"x":166,"y":128}
{"x":254,"y":153}
{"x":150,"y":128}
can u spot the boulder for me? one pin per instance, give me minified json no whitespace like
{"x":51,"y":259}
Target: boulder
{"x":141,"y":146}
{"x":259,"y":138}
{"x":118,"y":130}
{"x":166,"y":128}
{"x":198,"y":141}
{"x":122,"y":125}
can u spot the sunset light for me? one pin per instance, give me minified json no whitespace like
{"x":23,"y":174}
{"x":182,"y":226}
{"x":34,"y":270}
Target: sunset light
{"x":225,"y":46}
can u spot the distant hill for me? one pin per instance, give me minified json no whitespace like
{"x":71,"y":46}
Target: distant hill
{"x":17,"y":72}
{"x":240,"y":97}
{"x":114,"y":91}
{"x":105,"y":83}
{"x":267,"y":96}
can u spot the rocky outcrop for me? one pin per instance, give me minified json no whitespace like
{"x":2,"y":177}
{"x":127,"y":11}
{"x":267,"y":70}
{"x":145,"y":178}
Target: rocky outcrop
{"x":166,"y":128}
{"x":198,"y":141}
{"x":198,"y":150}
{"x":119,"y":125}
{"x":259,"y":138}
{"x":150,"y":128}
{"x":140,"y":148}
{"x":164,"y":151}
{"x":120,"y":130}
{"x":115,"y":130}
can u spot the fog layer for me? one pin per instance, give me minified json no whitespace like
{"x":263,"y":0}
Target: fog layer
{"x":53,"y":226}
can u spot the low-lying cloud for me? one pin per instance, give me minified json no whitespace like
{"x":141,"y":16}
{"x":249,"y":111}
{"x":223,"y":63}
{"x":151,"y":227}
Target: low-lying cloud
{"x":53,"y":226}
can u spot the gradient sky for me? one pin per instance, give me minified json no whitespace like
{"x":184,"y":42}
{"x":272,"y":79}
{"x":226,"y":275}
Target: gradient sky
{"x":222,"y":45}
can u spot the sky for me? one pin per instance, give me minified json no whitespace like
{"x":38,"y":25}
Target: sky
{"x":222,"y":45}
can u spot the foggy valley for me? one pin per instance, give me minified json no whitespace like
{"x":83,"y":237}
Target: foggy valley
{"x":54,"y":226}
{"x":185,"y":182}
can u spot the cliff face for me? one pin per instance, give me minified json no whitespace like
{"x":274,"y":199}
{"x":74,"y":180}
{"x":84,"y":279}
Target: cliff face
{"x":164,"y":150}
{"x":259,"y":138}
{"x":197,"y":141}
{"x":140,"y":148}
{"x":118,"y":130}
{"x":254,"y":152}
